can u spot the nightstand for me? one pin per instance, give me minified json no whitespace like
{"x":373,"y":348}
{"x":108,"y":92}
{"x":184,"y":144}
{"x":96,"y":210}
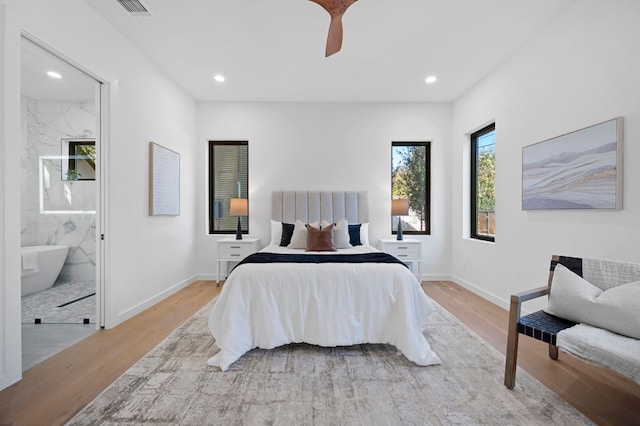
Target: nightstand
{"x":232,"y":250}
{"x":407,"y":250}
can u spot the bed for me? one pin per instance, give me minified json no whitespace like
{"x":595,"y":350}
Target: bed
{"x":353,"y":295}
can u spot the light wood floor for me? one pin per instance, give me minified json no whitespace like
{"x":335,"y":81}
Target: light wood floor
{"x":52,"y":392}
{"x":604,"y":396}
{"x":55,"y":390}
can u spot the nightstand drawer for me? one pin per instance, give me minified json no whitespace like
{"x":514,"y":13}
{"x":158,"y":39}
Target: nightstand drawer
{"x":235,"y":251}
{"x":404,"y":251}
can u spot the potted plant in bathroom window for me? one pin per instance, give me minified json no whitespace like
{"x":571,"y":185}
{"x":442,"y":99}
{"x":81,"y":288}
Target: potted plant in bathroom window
{"x":73,"y":174}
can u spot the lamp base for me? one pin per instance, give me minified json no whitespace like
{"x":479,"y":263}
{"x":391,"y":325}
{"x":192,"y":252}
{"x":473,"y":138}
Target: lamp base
{"x":239,"y":230}
{"x":399,"y":237}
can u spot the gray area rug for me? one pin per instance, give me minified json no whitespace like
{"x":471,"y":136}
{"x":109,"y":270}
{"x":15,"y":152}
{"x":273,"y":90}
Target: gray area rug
{"x":45,"y":304}
{"x":301,"y":384}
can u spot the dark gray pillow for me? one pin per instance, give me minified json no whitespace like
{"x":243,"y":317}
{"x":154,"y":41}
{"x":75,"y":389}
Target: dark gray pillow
{"x":287,"y":232}
{"x":354,"y":235}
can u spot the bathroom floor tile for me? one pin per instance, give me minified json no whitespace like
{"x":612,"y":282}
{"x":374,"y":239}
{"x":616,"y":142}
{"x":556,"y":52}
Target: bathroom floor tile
{"x":41,"y":341}
{"x":65,"y":303}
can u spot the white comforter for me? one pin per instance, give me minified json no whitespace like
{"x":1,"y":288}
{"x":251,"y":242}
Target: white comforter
{"x":326,"y":304}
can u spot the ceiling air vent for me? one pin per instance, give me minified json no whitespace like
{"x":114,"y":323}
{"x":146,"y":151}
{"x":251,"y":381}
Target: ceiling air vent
{"x":134,"y":8}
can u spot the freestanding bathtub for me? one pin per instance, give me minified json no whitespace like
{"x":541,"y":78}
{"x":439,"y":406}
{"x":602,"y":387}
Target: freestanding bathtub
{"x":41,"y":265}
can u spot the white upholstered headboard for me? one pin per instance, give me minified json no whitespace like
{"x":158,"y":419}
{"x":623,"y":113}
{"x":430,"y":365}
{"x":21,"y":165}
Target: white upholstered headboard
{"x":311,"y":206}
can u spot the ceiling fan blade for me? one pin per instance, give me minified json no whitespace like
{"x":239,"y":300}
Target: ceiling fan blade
{"x":336,"y":9}
{"x":334,"y":38}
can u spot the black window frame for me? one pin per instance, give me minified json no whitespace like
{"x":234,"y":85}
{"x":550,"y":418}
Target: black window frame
{"x":473,"y":214}
{"x":427,"y":186}
{"x":74,"y":144}
{"x":244,"y":219}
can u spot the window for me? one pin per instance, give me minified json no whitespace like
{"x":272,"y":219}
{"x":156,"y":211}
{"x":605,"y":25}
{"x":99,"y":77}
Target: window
{"x":411,"y":180}
{"x":81,"y":164}
{"x":228,"y":178}
{"x":483,"y":178}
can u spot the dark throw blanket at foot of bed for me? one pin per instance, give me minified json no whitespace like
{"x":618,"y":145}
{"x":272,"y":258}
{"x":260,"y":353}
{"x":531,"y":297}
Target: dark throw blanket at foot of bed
{"x":265,"y":257}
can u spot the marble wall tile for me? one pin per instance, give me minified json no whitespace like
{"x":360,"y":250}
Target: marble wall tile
{"x":44,"y":125}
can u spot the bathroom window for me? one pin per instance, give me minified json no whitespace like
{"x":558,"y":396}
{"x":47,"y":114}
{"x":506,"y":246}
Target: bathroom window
{"x":228,"y":178}
{"x":81,"y":164}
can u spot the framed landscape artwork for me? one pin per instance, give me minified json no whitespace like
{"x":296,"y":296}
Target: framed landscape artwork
{"x":578,"y":170}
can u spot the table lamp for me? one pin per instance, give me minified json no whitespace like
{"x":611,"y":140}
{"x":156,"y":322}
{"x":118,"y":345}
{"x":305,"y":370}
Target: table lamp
{"x":239,"y":207}
{"x":400,"y":207}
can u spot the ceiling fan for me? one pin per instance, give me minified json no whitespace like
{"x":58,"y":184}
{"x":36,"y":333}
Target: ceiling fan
{"x":336,"y":9}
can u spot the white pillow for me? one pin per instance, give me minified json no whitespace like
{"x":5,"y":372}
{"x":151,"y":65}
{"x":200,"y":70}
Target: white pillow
{"x":574,"y":298}
{"x":340,"y":233}
{"x":299,"y":237}
{"x":364,"y":234}
{"x":276,"y":232}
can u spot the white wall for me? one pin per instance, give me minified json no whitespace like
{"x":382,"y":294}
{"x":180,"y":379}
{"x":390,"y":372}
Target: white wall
{"x":148,"y":257}
{"x":328,"y":146}
{"x":582,"y":70}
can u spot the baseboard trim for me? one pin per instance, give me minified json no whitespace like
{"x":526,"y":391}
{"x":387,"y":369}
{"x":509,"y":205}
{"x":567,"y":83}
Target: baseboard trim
{"x":208,"y":277}
{"x":146,"y":304}
{"x":435,"y":277}
{"x":7,"y":380}
{"x":480,"y":292}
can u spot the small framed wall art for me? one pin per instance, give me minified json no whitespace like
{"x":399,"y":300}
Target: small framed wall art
{"x":164,"y":181}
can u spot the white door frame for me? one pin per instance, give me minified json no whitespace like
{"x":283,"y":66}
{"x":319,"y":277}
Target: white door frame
{"x":102,"y":102}
{"x":103,"y":293}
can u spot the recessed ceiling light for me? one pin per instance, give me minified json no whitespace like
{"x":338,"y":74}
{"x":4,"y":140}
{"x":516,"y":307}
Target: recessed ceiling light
{"x":53,"y":74}
{"x":430,"y":79}
{"x":219,"y":78}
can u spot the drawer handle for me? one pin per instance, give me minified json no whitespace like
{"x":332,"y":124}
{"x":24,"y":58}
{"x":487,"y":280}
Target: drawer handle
{"x":235,"y":247}
{"x":234,"y":254}
{"x":402,"y":247}
{"x":403,"y":255}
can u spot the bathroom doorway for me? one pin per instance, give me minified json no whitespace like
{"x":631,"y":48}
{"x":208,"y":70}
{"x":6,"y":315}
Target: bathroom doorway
{"x":60,"y":197}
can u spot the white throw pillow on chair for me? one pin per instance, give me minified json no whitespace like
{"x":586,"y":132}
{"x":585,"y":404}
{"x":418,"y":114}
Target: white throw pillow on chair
{"x":574,"y":298}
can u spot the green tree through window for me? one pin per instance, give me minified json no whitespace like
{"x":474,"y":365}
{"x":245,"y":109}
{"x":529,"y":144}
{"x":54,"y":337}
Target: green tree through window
{"x":410,"y":173}
{"x":483,"y":178}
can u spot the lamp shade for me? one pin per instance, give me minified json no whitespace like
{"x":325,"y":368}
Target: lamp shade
{"x":239,"y":207}
{"x":400,"y":207}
